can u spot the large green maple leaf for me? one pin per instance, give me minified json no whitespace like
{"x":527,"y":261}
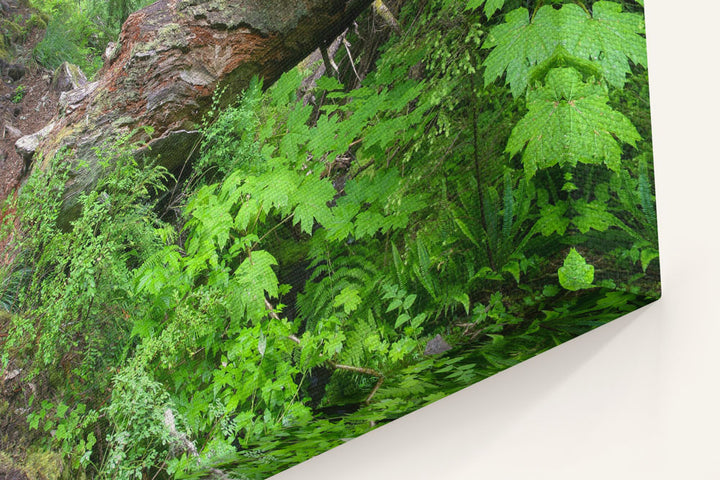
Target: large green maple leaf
{"x":518,"y":45}
{"x":608,"y":37}
{"x":569,"y":121}
{"x":312,"y":198}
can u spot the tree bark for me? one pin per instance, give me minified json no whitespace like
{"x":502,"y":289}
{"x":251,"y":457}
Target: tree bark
{"x":170,"y":59}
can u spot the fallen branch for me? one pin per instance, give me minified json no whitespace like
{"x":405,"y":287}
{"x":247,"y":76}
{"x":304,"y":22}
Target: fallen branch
{"x":384,"y":12}
{"x":336,"y":366}
{"x":366,"y":371}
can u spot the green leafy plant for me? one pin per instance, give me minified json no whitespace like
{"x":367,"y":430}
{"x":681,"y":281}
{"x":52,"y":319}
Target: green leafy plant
{"x":576,"y":274}
{"x":78,"y":31}
{"x":327,"y":243}
{"x":19,"y":94}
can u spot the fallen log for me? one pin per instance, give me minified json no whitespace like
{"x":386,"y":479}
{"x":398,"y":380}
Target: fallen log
{"x":170,"y":58}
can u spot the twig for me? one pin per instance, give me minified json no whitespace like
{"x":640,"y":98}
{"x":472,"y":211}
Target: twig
{"x":384,"y":12}
{"x":273,"y":314}
{"x":330,"y":67}
{"x":366,"y":371}
{"x":337,"y":366}
{"x":352,"y":63}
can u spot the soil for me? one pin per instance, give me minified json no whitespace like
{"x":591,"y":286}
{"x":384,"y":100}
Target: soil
{"x":12,"y":475}
{"x":31,"y":112}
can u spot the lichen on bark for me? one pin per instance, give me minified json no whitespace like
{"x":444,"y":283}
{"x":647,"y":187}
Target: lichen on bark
{"x":170,"y":59}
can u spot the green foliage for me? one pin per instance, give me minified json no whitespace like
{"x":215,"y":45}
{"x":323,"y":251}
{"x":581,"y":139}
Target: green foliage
{"x":489,"y":6}
{"x":576,"y":274}
{"x":65,"y":422}
{"x":607,"y":36}
{"x":323,"y":247}
{"x":76,"y":283}
{"x":82,"y":273}
{"x":78,"y":31}
{"x":569,"y":121}
{"x":67,"y":37}
{"x":141,"y":420}
{"x":229,"y":142}
{"x":19,"y":94}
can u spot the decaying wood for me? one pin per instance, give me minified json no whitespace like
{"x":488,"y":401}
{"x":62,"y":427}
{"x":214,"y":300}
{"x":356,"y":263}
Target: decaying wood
{"x":170,"y":59}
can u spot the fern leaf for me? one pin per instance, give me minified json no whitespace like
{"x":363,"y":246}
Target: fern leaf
{"x":422,"y":269}
{"x":646,"y":199}
{"x":399,"y":265}
{"x":508,"y":207}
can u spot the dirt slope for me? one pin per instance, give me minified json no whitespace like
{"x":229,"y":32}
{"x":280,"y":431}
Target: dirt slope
{"x":26,"y":101}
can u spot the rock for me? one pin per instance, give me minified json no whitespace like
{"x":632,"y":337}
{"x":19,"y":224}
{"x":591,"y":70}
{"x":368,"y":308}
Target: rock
{"x":16,"y":71}
{"x":436,"y":346}
{"x":111,"y":52}
{"x":12,"y":132}
{"x":12,"y":374}
{"x":68,"y":77}
{"x":72,"y":99}
{"x":27,"y":145}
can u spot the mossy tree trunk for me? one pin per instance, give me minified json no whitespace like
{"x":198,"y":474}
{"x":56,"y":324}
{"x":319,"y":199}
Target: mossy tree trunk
{"x":170,"y":59}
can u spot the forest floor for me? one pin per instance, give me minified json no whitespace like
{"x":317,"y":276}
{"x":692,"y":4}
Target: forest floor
{"x":27,"y":103}
{"x":25,"y":112}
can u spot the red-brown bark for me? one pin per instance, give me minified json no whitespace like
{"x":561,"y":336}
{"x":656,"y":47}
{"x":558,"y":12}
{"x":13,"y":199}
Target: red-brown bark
{"x":170,"y":59}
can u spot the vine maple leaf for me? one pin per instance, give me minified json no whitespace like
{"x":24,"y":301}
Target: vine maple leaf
{"x":518,"y":45}
{"x":569,"y":121}
{"x":609,"y":37}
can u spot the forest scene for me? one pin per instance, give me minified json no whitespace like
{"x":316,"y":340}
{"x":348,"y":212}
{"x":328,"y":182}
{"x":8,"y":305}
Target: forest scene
{"x":248,"y":232}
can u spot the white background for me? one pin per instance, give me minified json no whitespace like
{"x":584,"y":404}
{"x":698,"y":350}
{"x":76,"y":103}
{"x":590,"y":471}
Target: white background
{"x":636,"y":399}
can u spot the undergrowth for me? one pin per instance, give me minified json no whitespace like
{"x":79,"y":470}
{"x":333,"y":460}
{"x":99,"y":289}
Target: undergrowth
{"x":341,"y":263}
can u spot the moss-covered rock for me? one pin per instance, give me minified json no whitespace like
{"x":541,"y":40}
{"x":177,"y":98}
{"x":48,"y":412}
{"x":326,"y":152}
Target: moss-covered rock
{"x":38,"y":20}
{"x":4,"y":54}
{"x":38,"y":464}
{"x":68,"y":77}
{"x":44,"y":465}
{"x":11,"y":30}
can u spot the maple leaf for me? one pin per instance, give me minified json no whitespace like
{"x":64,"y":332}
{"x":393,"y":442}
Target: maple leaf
{"x":255,"y":273}
{"x":570,"y":121}
{"x":491,"y":6}
{"x":312,"y":198}
{"x":610,"y":37}
{"x":518,"y":45}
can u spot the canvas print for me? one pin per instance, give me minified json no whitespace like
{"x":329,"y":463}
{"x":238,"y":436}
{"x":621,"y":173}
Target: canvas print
{"x":236,"y":234}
